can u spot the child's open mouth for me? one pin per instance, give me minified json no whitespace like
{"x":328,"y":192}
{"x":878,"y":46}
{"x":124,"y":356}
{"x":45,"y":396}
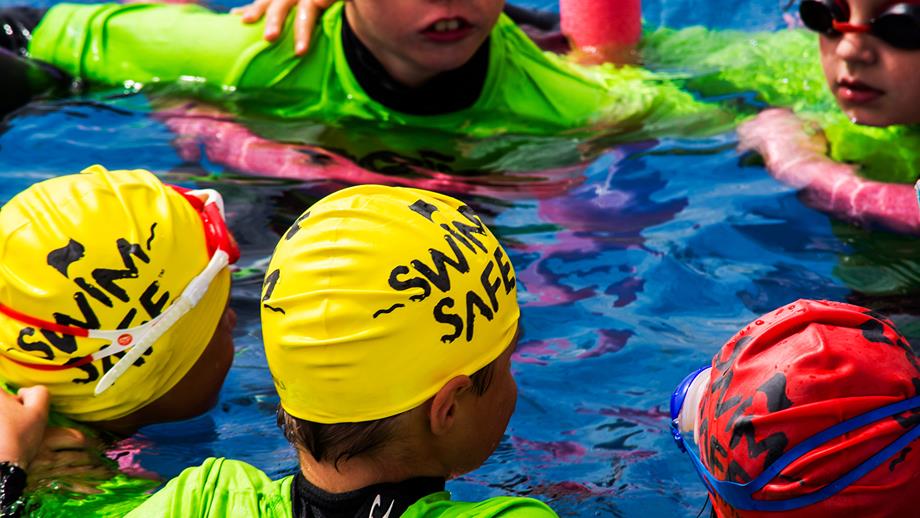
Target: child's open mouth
{"x":855,"y":91}
{"x":448,"y":30}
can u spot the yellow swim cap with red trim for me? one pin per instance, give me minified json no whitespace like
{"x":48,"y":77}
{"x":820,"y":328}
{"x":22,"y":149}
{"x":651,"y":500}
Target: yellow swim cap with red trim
{"x":377,"y":296}
{"x":101,"y":250}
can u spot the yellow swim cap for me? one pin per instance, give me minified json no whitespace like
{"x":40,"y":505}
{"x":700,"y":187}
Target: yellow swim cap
{"x":376,"y":297}
{"x":101,"y":250}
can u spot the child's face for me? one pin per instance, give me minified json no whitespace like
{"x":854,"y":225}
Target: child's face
{"x":417,"y":39}
{"x":874,"y":83}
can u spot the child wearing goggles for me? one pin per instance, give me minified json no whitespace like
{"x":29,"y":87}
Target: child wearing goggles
{"x":869,"y":52}
{"x":870,"y":56}
{"x":810,"y":410}
{"x":114,"y":296}
{"x":860,"y":165}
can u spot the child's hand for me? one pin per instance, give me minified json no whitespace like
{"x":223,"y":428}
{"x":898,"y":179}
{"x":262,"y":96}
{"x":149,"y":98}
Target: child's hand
{"x":276,"y":12}
{"x":67,"y":457}
{"x":785,"y":144}
{"x":23,"y":418}
{"x":798,"y":157}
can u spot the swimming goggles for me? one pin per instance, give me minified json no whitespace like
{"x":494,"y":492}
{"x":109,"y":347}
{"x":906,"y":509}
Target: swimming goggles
{"x":135,"y":341}
{"x":740,"y":496}
{"x":898,"y":25}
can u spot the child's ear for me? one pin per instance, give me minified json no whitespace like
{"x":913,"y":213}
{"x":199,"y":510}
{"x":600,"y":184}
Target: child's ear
{"x":442,"y":414}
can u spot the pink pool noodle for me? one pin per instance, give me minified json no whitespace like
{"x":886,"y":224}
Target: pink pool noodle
{"x":798,"y":159}
{"x":224,"y":141}
{"x":592,"y":24}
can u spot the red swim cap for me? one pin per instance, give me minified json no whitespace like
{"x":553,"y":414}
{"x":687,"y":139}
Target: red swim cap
{"x":800,"y":370}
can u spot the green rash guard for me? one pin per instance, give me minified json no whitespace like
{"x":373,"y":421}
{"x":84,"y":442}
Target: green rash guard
{"x":222,"y":487}
{"x":784,"y":69}
{"x":526,"y":91}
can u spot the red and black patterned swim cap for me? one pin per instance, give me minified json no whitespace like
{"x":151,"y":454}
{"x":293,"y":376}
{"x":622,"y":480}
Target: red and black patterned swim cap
{"x":795,"y":372}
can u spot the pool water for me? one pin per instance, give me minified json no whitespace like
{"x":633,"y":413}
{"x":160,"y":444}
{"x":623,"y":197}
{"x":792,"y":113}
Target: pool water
{"x":629,"y":279}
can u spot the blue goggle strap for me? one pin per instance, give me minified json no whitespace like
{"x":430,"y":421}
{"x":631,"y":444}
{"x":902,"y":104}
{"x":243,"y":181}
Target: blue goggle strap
{"x":739,"y":495}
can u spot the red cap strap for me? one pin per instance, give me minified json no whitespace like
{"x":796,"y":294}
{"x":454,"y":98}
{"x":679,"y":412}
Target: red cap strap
{"x":42,"y":367}
{"x":850,"y":27}
{"x":43,"y":324}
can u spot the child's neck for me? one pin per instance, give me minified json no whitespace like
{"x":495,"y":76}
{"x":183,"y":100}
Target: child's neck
{"x":357,"y":473}
{"x":446,"y":92}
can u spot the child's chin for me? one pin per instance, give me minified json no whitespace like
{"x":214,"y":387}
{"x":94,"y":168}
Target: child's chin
{"x":445,"y":63}
{"x":450,"y":57}
{"x":874,"y":117}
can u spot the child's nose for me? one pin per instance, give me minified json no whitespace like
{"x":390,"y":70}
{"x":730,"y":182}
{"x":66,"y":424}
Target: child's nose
{"x":857,"y":48}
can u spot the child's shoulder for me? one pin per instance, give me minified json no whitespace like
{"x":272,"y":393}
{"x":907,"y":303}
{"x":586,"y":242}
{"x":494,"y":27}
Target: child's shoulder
{"x":439,"y":505}
{"x":220,"y":487}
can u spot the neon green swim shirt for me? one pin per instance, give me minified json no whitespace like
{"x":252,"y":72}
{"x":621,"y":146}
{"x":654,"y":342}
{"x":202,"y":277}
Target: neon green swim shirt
{"x":526,"y":91}
{"x":223,"y":487}
{"x":784,"y":69}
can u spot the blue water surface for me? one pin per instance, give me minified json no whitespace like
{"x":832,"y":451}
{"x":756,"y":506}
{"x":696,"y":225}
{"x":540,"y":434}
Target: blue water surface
{"x":628,"y":281}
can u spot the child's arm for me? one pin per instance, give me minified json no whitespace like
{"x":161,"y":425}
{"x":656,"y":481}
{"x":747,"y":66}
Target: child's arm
{"x":798,"y":158}
{"x":112,"y":44}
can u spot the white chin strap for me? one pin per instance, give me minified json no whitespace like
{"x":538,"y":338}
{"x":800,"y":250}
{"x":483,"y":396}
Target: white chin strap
{"x":157,"y":327}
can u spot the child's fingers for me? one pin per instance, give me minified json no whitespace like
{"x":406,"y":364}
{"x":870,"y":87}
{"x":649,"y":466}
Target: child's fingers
{"x":36,"y":401}
{"x":57,"y":461}
{"x":79,"y":485}
{"x":23,"y":418}
{"x":60,"y":438}
{"x":275,"y":16}
{"x":253,"y":12}
{"x":307,"y":14}
{"x":748,"y":136}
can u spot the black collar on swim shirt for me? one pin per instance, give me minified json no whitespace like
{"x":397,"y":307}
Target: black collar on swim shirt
{"x":446,"y":92}
{"x":375,"y":501}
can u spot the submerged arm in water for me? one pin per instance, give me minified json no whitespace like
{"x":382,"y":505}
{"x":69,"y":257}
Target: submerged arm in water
{"x":799,"y":159}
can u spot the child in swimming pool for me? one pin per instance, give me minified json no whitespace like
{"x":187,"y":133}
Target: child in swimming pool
{"x":811,"y":410}
{"x":852,"y":142}
{"x":794,"y":153}
{"x":460,"y":69}
{"x":114,"y":295}
{"x":862,"y":172}
{"x":116,"y":251}
{"x":870,"y":55}
{"x":389,"y":317}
